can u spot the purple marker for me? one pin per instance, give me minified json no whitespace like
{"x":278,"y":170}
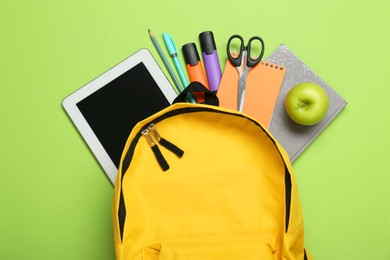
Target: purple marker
{"x":210,"y":59}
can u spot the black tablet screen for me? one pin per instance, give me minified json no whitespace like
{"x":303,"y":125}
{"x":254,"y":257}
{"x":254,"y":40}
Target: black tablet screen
{"x":113,"y":110}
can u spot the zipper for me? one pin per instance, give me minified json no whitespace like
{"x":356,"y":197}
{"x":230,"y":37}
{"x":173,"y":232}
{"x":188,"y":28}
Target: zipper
{"x":157,"y":153}
{"x":164,"y":142}
{"x":153,"y":138}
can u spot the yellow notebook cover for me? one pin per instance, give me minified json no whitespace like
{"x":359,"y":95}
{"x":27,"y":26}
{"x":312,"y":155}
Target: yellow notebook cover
{"x":262,"y":89}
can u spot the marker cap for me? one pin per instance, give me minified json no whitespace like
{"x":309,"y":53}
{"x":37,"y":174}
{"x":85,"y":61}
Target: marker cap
{"x":207,"y":42}
{"x":190,"y":53}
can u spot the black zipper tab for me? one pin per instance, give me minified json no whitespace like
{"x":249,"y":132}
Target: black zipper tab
{"x":157,"y":153}
{"x":168,"y":145}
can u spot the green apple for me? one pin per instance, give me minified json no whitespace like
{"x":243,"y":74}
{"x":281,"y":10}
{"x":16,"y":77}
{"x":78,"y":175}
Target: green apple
{"x":307,"y":103}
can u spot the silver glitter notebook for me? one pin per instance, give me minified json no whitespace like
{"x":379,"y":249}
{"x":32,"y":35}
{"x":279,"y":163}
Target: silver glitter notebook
{"x":292,"y":136}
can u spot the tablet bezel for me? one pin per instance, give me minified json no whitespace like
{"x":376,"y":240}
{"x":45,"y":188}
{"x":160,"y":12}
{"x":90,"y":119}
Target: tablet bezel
{"x":71,"y":101}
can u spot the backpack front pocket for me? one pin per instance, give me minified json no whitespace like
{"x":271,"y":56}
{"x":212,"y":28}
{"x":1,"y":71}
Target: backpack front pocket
{"x":256,"y":246}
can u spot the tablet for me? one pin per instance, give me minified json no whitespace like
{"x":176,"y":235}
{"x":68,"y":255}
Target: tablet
{"x":106,"y":109}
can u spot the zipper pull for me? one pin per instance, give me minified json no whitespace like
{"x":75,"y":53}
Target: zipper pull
{"x":157,"y":153}
{"x":168,"y":145}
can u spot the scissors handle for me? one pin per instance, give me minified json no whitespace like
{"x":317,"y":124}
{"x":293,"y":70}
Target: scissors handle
{"x":249,"y":61}
{"x":236,"y":60}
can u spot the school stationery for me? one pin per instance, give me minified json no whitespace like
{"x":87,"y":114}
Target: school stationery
{"x":106,"y":109}
{"x":262,"y":89}
{"x":234,"y":198}
{"x":210,"y":59}
{"x":243,"y":62}
{"x":294,"y":137}
{"x":171,"y":47}
{"x":194,"y":68}
{"x":193,"y":64}
{"x":177,"y":86}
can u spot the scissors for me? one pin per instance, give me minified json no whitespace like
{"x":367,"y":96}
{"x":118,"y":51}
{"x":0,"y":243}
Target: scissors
{"x":243,"y":63}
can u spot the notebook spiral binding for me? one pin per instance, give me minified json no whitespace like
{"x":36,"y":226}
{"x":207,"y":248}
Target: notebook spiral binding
{"x":271,"y":65}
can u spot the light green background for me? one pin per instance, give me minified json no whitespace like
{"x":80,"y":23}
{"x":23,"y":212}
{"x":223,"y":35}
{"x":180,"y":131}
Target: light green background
{"x":55,"y":201}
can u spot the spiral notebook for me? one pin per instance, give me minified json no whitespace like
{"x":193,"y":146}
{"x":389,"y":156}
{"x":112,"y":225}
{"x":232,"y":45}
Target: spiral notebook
{"x":262,"y":88}
{"x":293,"y":137}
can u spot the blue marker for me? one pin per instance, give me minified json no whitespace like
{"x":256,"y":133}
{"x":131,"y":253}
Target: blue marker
{"x":171,"y":47}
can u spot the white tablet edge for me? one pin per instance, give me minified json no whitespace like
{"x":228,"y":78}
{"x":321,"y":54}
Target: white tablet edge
{"x":70,"y":102}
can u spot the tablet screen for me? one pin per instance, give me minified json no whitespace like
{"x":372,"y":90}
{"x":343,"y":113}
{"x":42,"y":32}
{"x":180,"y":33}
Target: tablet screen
{"x":113,"y":110}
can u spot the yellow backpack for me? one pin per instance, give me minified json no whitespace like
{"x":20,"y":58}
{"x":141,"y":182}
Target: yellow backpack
{"x":203,"y":182}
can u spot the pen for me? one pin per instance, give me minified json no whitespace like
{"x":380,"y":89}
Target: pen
{"x":210,"y":59}
{"x":177,"y":87}
{"x":171,"y":47}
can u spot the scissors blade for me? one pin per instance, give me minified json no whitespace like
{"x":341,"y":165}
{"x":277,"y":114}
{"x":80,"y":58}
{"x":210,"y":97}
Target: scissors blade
{"x":241,"y":92}
{"x":242,"y":89}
